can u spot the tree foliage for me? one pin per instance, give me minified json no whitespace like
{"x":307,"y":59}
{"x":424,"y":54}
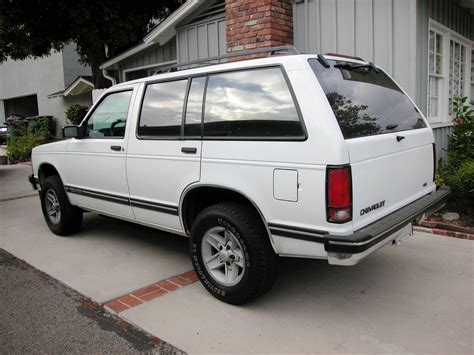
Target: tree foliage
{"x":35,"y":28}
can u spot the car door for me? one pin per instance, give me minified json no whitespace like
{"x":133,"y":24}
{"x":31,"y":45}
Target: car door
{"x":95,"y":165}
{"x":164,"y":153}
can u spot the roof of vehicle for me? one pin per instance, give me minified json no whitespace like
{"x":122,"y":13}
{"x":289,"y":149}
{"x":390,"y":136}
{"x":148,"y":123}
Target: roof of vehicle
{"x":290,"y":62}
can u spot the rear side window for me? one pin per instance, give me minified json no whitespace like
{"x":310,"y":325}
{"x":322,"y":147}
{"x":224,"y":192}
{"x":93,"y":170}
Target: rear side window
{"x":192,"y":126}
{"x":365,"y":102}
{"x":253,"y":103}
{"x":162,"y":109}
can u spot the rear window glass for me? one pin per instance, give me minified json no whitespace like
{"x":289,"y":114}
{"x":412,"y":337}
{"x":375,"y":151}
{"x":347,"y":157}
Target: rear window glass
{"x":365,"y":102}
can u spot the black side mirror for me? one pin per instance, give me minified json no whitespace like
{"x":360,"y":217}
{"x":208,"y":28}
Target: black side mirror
{"x":72,"y":132}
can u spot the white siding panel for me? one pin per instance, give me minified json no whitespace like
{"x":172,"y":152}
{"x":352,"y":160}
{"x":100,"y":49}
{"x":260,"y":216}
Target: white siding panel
{"x":328,"y":31}
{"x":382,"y":20}
{"x":382,"y":31}
{"x":363,"y":29}
{"x":345,"y":26}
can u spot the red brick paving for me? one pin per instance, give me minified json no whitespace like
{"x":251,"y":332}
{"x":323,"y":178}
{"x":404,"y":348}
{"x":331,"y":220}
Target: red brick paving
{"x":150,"y":292}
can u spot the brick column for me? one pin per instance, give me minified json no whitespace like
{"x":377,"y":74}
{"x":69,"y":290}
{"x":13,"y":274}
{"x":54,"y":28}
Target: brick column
{"x":254,"y":24}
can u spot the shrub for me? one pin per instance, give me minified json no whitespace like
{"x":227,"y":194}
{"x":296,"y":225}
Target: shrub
{"x":461,"y":181}
{"x":461,"y":141}
{"x":459,"y":171}
{"x":25,"y":138}
{"x":75,"y":113}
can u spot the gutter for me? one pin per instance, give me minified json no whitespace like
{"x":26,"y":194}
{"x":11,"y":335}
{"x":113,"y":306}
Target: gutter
{"x":107,"y":76}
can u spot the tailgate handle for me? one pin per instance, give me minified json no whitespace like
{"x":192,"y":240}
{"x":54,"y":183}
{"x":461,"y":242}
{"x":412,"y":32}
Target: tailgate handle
{"x":400,"y":138}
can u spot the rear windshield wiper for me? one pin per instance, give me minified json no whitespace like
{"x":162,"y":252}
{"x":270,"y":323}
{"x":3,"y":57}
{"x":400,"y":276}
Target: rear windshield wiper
{"x":357,"y":66}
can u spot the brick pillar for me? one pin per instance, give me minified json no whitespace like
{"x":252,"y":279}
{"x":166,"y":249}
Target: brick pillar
{"x":258,"y":23}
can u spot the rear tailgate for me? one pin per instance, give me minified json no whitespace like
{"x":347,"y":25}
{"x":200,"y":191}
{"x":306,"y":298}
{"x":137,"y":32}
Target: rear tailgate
{"x":390,"y":144}
{"x":387,"y":174}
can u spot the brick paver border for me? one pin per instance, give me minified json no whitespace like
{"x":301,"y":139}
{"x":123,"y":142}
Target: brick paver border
{"x":150,"y":292}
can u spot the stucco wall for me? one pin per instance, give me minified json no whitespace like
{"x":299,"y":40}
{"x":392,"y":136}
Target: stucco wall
{"x":41,"y":76}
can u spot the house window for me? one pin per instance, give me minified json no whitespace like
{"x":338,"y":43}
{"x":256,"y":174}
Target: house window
{"x":457,"y":72}
{"x":435,"y":74}
{"x":449,"y":68}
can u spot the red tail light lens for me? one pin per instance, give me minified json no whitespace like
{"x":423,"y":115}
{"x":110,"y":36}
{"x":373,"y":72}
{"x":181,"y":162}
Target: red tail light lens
{"x":339,"y":194}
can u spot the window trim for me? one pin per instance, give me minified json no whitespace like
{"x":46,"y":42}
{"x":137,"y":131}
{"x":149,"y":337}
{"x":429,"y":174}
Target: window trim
{"x":443,"y":98}
{"x":89,"y":114}
{"x":189,"y":77}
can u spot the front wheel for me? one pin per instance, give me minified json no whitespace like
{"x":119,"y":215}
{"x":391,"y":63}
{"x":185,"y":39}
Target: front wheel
{"x":231,"y":253}
{"x":62,"y":218}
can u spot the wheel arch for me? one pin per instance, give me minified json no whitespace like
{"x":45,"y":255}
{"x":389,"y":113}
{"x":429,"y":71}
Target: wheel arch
{"x":187,"y":213}
{"x":46,"y":170}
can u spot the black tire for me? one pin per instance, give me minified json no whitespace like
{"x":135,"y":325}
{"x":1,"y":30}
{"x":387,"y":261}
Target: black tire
{"x":260,"y":260}
{"x":70,"y":219}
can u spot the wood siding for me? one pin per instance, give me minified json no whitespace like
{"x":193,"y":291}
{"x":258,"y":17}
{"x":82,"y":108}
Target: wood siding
{"x":450,"y":14}
{"x":201,"y":40}
{"x":156,"y":54}
{"x":381,"y":31}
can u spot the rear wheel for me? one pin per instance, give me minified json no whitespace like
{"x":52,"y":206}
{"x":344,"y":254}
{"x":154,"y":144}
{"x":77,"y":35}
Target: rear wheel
{"x":231,"y":253}
{"x":61,"y":217}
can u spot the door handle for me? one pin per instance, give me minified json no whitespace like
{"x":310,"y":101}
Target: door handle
{"x":117,"y":148}
{"x":189,"y":150}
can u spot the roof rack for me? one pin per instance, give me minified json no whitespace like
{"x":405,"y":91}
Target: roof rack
{"x":270,"y":51}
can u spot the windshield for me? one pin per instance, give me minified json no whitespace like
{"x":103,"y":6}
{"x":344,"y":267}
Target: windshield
{"x":365,"y":101}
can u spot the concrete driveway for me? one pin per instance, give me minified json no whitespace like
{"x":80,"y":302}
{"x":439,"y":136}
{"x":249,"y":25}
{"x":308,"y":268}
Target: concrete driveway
{"x":414,"y":298}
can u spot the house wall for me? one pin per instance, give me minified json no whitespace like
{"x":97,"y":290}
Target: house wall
{"x":41,"y":76}
{"x":201,"y":40}
{"x":450,"y":14}
{"x":150,"y":57}
{"x":380,"y":31}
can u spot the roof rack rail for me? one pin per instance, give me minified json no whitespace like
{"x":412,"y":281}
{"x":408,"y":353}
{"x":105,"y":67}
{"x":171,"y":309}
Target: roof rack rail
{"x":270,"y":51}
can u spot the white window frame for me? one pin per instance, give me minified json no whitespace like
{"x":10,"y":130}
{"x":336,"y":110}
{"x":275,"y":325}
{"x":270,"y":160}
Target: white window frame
{"x":443,"y":96}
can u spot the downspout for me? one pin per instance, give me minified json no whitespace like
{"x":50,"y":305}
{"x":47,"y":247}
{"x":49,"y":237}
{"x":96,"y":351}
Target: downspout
{"x":107,"y":76}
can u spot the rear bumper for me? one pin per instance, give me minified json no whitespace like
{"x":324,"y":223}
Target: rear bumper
{"x":350,"y":249}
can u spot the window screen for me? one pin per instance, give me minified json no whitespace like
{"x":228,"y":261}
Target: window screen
{"x":162,"y":109}
{"x":250,"y":103}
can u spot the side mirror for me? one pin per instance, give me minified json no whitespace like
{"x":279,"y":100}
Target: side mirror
{"x":72,"y":132}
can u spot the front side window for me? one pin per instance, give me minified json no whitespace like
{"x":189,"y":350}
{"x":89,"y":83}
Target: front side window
{"x":251,"y":103}
{"x":110,"y":117}
{"x":365,"y":102}
{"x":162,"y":109}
